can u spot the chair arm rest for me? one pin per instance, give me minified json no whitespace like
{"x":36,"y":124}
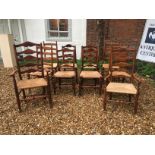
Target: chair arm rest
{"x":137,"y":79}
{"x":13,"y":73}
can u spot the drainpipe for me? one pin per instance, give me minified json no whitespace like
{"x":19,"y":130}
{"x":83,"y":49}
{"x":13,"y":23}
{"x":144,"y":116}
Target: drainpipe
{"x":9,"y":25}
{"x":20,"y":30}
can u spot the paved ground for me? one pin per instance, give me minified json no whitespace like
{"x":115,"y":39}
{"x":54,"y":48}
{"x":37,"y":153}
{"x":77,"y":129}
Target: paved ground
{"x":73,"y":114}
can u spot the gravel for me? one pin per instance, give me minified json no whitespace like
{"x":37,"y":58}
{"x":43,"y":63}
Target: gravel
{"x":75,"y":115}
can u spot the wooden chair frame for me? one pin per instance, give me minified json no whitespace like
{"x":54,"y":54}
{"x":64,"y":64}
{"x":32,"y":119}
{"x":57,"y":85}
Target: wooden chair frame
{"x":89,"y":55}
{"x":66,"y":69}
{"x":28,"y":61}
{"x":126,"y":86}
{"x":71,"y":48}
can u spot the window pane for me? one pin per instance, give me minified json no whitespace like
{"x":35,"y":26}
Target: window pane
{"x":53,"y":24}
{"x":63,"y":34}
{"x":53,"y":34}
{"x":63,"y":24}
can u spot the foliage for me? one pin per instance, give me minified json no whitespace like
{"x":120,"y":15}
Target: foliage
{"x":146,"y":69}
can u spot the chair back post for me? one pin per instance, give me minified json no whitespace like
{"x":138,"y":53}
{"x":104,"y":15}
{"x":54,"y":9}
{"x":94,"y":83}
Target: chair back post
{"x":27,"y":58}
{"x":89,"y":56}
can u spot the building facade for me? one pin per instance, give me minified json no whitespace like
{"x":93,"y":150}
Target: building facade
{"x":74,"y":31}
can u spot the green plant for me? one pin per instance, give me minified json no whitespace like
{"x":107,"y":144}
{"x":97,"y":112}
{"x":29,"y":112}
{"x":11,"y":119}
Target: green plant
{"x":146,"y":69}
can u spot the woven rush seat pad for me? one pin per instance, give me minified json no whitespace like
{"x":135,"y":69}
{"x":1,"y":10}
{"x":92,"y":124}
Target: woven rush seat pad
{"x":37,"y":73}
{"x":64,"y":74}
{"x":106,"y":66}
{"x":68,"y":65}
{"x":127,"y":88}
{"x":49,"y":65}
{"x":120,"y":73}
{"x":90,"y":74}
{"x":31,"y":83}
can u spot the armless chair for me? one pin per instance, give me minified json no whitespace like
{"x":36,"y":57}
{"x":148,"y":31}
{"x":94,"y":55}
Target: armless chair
{"x":66,"y":69}
{"x":89,"y":68}
{"x":71,"y":48}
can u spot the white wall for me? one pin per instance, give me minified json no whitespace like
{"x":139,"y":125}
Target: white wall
{"x":35,"y":31}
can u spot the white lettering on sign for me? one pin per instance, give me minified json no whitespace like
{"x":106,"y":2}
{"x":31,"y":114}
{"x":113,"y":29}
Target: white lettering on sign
{"x":146,"y":51}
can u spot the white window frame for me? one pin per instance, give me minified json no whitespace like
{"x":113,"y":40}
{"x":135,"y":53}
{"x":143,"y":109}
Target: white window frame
{"x":53,"y":38}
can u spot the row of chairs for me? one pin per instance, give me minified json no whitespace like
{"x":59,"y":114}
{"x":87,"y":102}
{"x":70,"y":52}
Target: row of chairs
{"x":43,"y":65}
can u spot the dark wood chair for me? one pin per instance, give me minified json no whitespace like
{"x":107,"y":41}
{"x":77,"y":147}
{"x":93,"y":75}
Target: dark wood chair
{"x":89,"y":68}
{"x":50,"y":51}
{"x":29,"y":59}
{"x":50,"y":60}
{"x":71,"y":48}
{"x":106,"y":57}
{"x":123,"y":79}
{"x":66,"y":69}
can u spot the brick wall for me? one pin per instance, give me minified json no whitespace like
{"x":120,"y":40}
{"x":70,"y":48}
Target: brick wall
{"x":125,"y":31}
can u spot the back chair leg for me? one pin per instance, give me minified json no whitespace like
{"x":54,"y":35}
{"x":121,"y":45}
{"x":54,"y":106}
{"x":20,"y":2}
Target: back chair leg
{"x":129,"y":97}
{"x":59,"y":83}
{"x":24,"y":95}
{"x":110,"y":96}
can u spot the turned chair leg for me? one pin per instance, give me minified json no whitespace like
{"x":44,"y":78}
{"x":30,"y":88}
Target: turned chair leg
{"x":59,"y":83}
{"x":129,"y":97}
{"x":73,"y":85}
{"x":17,"y":95}
{"x":80,"y":85}
{"x":54,"y":85}
{"x":24,"y":95}
{"x":110,"y":96}
{"x":49,"y":96}
{"x":136,"y":103}
{"x":100,"y":87}
{"x":76,"y":72}
{"x":104,"y":99}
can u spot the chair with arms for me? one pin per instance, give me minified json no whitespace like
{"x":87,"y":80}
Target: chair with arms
{"x":130,"y":85}
{"x":89,"y":68}
{"x":29,"y":59}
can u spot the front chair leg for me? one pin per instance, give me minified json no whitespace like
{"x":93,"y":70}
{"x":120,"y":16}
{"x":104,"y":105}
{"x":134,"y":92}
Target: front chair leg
{"x":104,"y":99}
{"x":136,"y":103}
{"x":17,"y":94}
{"x":100,"y":87}
{"x":49,"y":96}
{"x":80,"y":83}
{"x":73,"y":85}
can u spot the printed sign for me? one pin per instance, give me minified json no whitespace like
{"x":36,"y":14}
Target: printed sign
{"x":146,"y":51}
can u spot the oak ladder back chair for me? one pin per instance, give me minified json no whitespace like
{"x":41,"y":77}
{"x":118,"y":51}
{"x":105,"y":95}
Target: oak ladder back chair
{"x":71,"y":48}
{"x":66,"y":59}
{"x":50,"y":51}
{"x":50,"y":60}
{"x":125,"y":59}
{"x":28,"y":60}
{"x":89,"y":68}
{"x":106,"y":57}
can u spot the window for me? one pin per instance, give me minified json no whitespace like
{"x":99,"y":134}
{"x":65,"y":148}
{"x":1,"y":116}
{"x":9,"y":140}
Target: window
{"x":58,"y":29}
